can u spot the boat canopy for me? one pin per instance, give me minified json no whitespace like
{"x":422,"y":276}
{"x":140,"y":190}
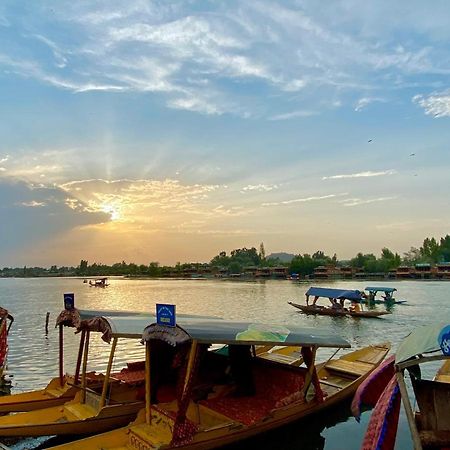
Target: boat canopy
{"x":334,"y":293}
{"x":73,"y":317}
{"x":380,"y":289}
{"x":207,"y":331}
{"x":427,"y":339}
{"x":127,"y":324}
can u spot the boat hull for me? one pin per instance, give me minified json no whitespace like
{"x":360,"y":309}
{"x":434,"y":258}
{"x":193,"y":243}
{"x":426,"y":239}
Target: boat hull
{"x":52,"y":395}
{"x":71,"y":418}
{"x":139,"y":435}
{"x":382,"y":302}
{"x":323,"y":311}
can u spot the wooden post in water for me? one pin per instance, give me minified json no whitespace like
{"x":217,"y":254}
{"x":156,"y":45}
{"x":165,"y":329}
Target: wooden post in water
{"x":47,"y":317}
{"x":83,"y":374}
{"x":61,"y":355}
{"x":80,"y":356}
{"x":107,"y":375}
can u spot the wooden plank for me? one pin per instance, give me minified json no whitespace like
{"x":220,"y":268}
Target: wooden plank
{"x":373,"y":356}
{"x":336,"y":381}
{"x":280,"y":358}
{"x":351,"y":367}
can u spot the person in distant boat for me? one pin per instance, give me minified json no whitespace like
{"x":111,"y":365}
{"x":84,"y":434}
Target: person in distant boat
{"x":355,"y":307}
{"x":387,"y":297}
{"x":335,"y":304}
{"x":314,"y":301}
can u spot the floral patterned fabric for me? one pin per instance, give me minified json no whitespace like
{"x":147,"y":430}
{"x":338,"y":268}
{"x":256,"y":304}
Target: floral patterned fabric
{"x":274,"y":388}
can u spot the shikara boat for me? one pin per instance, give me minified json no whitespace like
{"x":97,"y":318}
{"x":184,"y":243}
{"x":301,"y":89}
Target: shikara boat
{"x":95,"y":406}
{"x":224,"y":398}
{"x":64,"y":387}
{"x":99,"y":282}
{"x":429,"y":422}
{"x":337,"y":308}
{"x":371,"y":296}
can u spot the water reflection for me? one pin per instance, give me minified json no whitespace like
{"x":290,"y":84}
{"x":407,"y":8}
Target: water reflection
{"x":33,"y":356}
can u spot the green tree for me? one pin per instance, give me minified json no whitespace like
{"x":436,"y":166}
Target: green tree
{"x":262,"y":252}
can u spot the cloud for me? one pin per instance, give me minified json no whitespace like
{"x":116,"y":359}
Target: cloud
{"x":32,"y":213}
{"x":203,"y":59}
{"x":437,"y":104}
{"x":363,"y":102}
{"x":361,"y":175}
{"x":260,"y":187}
{"x":359,"y":201}
{"x":304,"y":200}
{"x":145,"y":200}
{"x":33,"y":204}
{"x":293,"y":115}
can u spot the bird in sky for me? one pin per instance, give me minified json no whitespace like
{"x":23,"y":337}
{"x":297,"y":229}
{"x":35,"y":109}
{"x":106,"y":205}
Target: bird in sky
{"x":370,"y":140}
{"x":412,"y":154}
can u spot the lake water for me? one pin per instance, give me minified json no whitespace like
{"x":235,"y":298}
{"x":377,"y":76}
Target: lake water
{"x":33,"y":355}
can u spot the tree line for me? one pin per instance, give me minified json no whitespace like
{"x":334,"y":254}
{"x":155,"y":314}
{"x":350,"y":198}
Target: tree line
{"x":432,"y":251}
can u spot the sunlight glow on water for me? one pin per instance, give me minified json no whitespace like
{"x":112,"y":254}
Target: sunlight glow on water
{"x":33,"y":356}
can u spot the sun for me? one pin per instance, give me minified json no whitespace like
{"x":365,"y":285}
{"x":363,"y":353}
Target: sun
{"x":113,"y":211}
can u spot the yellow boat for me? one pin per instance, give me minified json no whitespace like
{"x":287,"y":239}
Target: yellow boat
{"x":63,"y":388}
{"x":223,"y":398}
{"x":95,"y":407}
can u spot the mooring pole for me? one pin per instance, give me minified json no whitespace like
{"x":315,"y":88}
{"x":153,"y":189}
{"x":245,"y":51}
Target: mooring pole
{"x":47,"y":317}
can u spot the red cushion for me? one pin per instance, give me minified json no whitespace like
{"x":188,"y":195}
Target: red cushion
{"x":272,"y":385}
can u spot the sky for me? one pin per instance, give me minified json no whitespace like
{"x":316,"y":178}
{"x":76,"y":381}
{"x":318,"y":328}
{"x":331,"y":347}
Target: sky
{"x":172,"y":130}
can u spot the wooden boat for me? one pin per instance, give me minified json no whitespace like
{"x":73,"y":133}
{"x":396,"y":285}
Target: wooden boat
{"x":99,"y":282}
{"x":337,"y":299}
{"x":371,"y":296}
{"x":114,"y":402}
{"x":63,"y":388}
{"x":325,"y":311}
{"x":430,"y":422}
{"x":210,"y":410}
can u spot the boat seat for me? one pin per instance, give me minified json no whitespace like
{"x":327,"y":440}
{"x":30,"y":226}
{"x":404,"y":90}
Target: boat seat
{"x":349,"y":367}
{"x":280,"y":358}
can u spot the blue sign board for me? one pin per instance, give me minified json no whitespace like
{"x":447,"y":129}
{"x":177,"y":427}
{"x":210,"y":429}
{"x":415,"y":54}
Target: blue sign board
{"x":165,"y":315}
{"x":69,"y":301}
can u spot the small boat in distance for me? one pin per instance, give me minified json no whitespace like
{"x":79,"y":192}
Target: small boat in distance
{"x":387,"y":298}
{"x":99,"y":282}
{"x":214,"y":407}
{"x":293,"y":277}
{"x":337,"y":298}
